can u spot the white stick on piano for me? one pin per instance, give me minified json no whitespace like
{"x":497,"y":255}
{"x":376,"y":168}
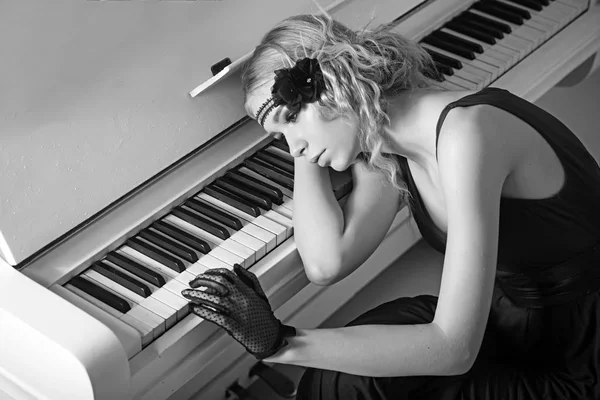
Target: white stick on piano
{"x":234,"y":65}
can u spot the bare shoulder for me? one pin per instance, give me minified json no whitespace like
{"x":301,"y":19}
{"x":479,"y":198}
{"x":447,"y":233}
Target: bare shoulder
{"x":486,"y":129}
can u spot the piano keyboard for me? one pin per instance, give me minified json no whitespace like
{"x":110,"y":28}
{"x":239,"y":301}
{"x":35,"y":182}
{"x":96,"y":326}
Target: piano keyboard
{"x":238,"y":218}
{"x":477,"y":46}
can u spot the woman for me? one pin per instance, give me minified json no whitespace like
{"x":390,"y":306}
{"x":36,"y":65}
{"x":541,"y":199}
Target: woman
{"x":498,"y":185}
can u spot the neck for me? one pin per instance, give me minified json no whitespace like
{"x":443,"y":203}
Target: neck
{"x":410,"y":127}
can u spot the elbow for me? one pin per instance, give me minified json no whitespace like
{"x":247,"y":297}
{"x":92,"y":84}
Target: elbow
{"x":462,"y":365}
{"x":322,"y":273}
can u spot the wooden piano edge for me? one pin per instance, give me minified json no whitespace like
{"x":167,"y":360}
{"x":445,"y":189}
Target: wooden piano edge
{"x":219,"y":360}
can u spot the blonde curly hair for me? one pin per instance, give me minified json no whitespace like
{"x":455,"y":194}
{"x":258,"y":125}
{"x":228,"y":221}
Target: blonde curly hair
{"x":360,"y":68}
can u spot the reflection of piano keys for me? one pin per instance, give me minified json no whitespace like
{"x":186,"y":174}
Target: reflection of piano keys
{"x":127,"y":269}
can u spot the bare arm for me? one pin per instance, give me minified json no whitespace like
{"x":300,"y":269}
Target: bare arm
{"x":333,"y":241}
{"x":474,"y":163}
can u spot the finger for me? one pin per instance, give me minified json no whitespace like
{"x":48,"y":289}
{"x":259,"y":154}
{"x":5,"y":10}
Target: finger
{"x":209,"y":282}
{"x":223,"y":321}
{"x":214,"y":303}
{"x":250,"y":280}
{"x":221,"y":275}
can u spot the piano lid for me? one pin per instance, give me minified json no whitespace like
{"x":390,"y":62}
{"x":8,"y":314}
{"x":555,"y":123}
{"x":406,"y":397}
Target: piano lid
{"x":94,"y":98}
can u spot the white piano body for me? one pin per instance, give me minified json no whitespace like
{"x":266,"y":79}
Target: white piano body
{"x":99,"y":139}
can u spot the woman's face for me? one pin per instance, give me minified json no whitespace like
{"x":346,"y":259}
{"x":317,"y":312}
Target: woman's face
{"x":332,"y":144}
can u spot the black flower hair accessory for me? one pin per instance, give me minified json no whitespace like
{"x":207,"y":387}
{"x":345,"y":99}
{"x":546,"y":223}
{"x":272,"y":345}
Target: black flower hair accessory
{"x":293,"y":87}
{"x":301,"y":84}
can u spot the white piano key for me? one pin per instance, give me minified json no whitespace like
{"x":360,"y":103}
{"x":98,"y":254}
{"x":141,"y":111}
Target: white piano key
{"x":126,"y":272}
{"x":176,"y":287}
{"x":252,"y":248}
{"x":248,"y":255}
{"x":482,"y":73}
{"x":546,"y":27}
{"x":457,"y":80}
{"x":155,"y":322}
{"x":285,"y":208}
{"x":100,"y":304}
{"x":525,"y":31}
{"x":445,"y":85}
{"x":281,"y":220}
{"x":169,"y":314}
{"x":257,"y":246}
{"x":272,"y":226}
{"x":120,"y":290}
{"x":146,"y":332}
{"x":252,"y":229}
{"x":512,"y":42}
{"x":579,"y":5}
{"x":164,"y":297}
{"x":185,"y":277}
{"x":560,"y":12}
{"x":260,"y":221}
{"x":495,"y":66}
{"x":148,"y":262}
{"x":289,"y":193}
{"x":177,"y":302}
{"x":210,"y":262}
{"x":129,"y":337}
{"x":279,"y":152}
{"x":200,"y":268}
{"x":227,"y":250}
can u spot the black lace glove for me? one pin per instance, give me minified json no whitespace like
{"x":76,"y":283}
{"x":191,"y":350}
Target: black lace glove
{"x":237,"y":303}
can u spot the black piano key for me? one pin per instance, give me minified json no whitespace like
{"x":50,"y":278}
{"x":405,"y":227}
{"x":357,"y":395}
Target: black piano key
{"x":101,"y":294}
{"x":136,"y":269}
{"x":488,"y":8}
{"x":274,"y":193}
{"x":281,"y":144}
{"x":244,"y":192}
{"x":510,"y":8}
{"x":481,"y":27}
{"x":232,"y":200}
{"x":122,"y":279}
{"x":184,"y":237}
{"x":485,"y":22}
{"x":164,"y":243}
{"x":273,"y":173}
{"x":455,"y":40}
{"x":468,"y":30}
{"x":444,"y":69}
{"x":444,"y":59}
{"x":543,"y":2}
{"x":213,"y":212}
{"x":275,"y":160}
{"x":450,"y":47}
{"x":156,"y":254}
{"x":202,"y":223}
{"x":531,"y":4}
{"x":436,"y":73}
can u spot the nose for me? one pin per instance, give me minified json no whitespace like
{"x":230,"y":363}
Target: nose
{"x":298,"y":151}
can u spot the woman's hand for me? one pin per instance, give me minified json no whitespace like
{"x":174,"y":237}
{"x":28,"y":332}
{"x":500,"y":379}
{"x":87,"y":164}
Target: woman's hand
{"x":237,"y":303}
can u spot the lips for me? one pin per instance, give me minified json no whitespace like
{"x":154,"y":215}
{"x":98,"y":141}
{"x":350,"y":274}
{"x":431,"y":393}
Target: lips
{"x":316,"y":158}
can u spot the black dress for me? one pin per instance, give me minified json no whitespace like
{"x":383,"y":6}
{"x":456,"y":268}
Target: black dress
{"x":542,"y":339}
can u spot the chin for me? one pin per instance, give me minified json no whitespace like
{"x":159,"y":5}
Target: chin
{"x":340,"y":166}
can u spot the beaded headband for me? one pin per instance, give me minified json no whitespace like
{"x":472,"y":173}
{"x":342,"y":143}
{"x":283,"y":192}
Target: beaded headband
{"x":293,"y":87}
{"x":271,"y":105}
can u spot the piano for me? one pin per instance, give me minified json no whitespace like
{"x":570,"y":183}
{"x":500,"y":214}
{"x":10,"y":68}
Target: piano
{"x":118,"y":187}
